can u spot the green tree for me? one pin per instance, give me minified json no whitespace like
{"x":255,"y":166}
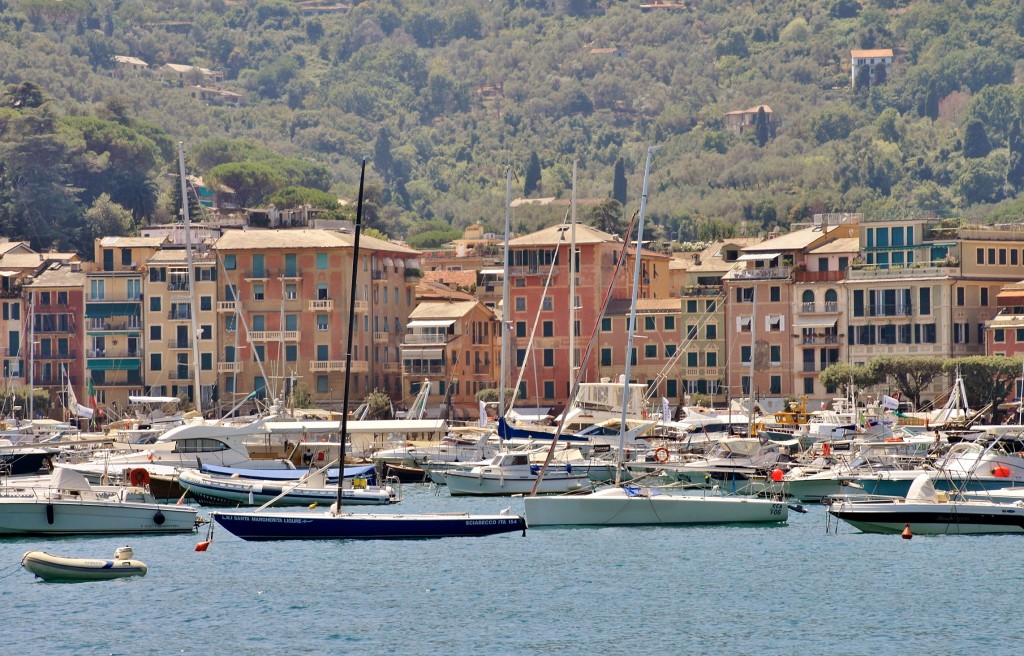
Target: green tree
{"x":252,"y":182}
{"x":976,"y":143}
{"x":988,"y":379}
{"x":294,"y":196}
{"x":931,"y":100}
{"x":911,"y":375}
{"x":761,"y":128}
{"x":840,"y":375}
{"x":378,"y":405}
{"x":607,"y":216}
{"x":531,"y":181}
{"x":108,"y":219}
{"x":619,"y":182}
{"x":1015,"y":170}
{"x":862,"y":81}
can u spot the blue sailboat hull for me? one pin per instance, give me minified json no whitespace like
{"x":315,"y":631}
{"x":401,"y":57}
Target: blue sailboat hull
{"x":324,"y":526}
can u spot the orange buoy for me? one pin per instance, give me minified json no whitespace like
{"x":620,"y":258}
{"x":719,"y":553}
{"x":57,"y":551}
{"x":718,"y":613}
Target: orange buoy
{"x":203,"y":546}
{"x":1001,"y":471}
{"x":906,"y":532}
{"x":661,"y":454}
{"x":777,"y":475}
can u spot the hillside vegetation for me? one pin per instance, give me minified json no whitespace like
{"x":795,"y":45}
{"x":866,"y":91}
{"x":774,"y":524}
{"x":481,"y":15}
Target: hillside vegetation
{"x":442,"y":96}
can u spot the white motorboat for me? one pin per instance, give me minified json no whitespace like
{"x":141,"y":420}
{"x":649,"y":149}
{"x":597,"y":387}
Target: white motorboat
{"x":67,"y":504}
{"x":628,"y":505}
{"x":512,"y":473}
{"x":927,"y":511}
{"x":218,"y":490}
{"x":59,"y":568}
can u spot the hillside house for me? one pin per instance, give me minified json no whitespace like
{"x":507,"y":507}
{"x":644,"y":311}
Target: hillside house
{"x":870,"y":58}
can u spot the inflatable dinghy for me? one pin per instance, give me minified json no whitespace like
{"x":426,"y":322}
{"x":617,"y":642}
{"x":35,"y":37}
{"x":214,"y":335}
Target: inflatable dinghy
{"x":57,"y":568}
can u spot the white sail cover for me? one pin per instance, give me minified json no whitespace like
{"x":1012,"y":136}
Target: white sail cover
{"x":68,"y":479}
{"x":922,"y":490}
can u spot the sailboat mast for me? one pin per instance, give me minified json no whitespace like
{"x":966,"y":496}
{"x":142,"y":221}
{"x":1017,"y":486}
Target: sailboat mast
{"x":504,"y":297}
{"x":351,"y":328}
{"x":31,"y":355}
{"x":623,"y":426}
{"x":572,"y":284}
{"x":753,"y":346}
{"x":197,"y":394}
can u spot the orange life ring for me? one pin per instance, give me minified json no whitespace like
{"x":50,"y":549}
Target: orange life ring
{"x":138,"y":477}
{"x":661,"y":454}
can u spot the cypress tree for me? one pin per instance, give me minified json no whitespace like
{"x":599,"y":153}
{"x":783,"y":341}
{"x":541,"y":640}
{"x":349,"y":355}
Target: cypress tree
{"x":619,"y":182}
{"x":761,"y":127}
{"x":1015,"y":170}
{"x":976,"y":143}
{"x":531,"y":183}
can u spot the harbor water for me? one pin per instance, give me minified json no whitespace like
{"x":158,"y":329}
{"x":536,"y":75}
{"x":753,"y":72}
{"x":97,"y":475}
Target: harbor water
{"x":793,"y":589}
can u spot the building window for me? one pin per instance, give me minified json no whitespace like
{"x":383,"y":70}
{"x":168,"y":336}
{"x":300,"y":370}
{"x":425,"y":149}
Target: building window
{"x":998,"y":335}
{"x":97,"y":290}
{"x":258,"y":292}
{"x":650,"y":351}
{"x":155,"y":333}
{"x":322,"y":384}
{"x":547,"y":304}
{"x":711,"y":358}
{"x":776,"y":355}
{"x":291,"y":352}
{"x":520,"y":304}
{"x":1020,"y":335}
{"x":549,"y":357}
{"x":691,"y":332}
{"x":745,"y":354}
{"x":206,"y":361}
{"x":291,"y":292}
{"x":549,"y":328}
{"x":984,"y":296}
{"x":606,"y":325}
{"x":206,"y":332}
{"x":960,"y":296}
{"x":155,"y":362}
{"x":520,"y":329}
{"x":321,"y":322}
{"x":520,"y":357}
{"x":774,"y":294}
{"x":808,"y":385}
{"x":709,"y":306}
{"x":670,"y":350}
{"x":743,"y":324}
{"x":711,"y":331}
{"x":776,"y":324}
{"x":776,"y":385}
{"x":549,"y":389}
{"x":691,"y":307}
{"x":670,"y":323}
{"x":649,"y":323}
{"x":744,"y":294}
{"x":606,"y":357}
{"x":691,"y":359}
{"x":321,"y":260}
{"x":230,"y":262}
{"x":925,"y":300}
{"x":671,"y":388}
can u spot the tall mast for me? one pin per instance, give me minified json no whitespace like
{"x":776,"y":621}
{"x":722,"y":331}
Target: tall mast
{"x":31,"y":355}
{"x":351,"y":328}
{"x":623,"y":426}
{"x":753,"y":346}
{"x":193,"y":319}
{"x":572,"y":286}
{"x":504,"y":296}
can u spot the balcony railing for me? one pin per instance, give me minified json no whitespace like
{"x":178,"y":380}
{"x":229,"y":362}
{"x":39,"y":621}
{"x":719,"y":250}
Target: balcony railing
{"x":532,"y":270}
{"x":380,"y":338}
{"x":768,"y":273}
{"x":180,"y":373}
{"x":178,"y":315}
{"x":323,"y":305}
{"x":819,"y":276}
{"x":252,"y":274}
{"x":391,"y":367}
{"x":275,"y":335}
{"x":873,"y":271}
{"x":228,"y":367}
{"x":109,"y":353}
{"x":59,"y":355}
{"x":225,"y":306}
{"x":424,"y":370}
{"x":378,"y":275}
{"x":293,"y":274}
{"x":179,"y":343}
{"x":426,"y":338}
{"x":358,"y":366}
{"x":362,"y":307}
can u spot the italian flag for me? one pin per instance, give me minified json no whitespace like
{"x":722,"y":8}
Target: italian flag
{"x":92,"y":395}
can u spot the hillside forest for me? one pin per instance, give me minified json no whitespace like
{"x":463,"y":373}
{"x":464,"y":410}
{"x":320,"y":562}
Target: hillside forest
{"x":441,"y":97}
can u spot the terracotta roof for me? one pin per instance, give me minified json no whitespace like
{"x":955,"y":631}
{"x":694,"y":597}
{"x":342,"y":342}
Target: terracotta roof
{"x":291,"y":239}
{"x":878,"y":52}
{"x":841,"y":245}
{"x":796,"y":240}
{"x":560,"y":234}
{"x":457,"y":278}
{"x":433,"y":290}
{"x":711,"y":260}
{"x":752,"y":110}
{"x":59,"y":275}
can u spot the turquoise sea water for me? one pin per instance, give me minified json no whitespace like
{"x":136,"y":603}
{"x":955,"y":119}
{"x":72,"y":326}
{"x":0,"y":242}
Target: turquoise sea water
{"x":696,"y":590}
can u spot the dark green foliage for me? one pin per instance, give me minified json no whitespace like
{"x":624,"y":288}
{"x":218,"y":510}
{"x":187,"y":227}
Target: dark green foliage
{"x":531,"y":181}
{"x":607,"y":217}
{"x":290,"y":197}
{"x":761,"y":128}
{"x":619,"y":182}
{"x":1015,"y":170}
{"x":976,"y":142}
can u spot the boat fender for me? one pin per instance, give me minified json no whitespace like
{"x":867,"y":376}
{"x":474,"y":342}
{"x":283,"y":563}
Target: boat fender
{"x":661,"y":454}
{"x":159,"y":518}
{"x":49,"y":513}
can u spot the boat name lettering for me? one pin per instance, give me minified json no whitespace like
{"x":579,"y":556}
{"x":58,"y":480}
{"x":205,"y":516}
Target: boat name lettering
{"x":496,"y":522}
{"x":283,"y":520}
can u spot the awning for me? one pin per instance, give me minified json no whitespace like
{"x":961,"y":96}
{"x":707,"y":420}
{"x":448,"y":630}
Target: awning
{"x":439,"y":323}
{"x":114,"y":364}
{"x":422,"y":354}
{"x":8,"y":274}
{"x":492,"y":272}
{"x":755,"y":257}
{"x":1011,"y":297}
{"x":107,"y":310}
{"x":814,"y":322}
{"x":154,"y":399}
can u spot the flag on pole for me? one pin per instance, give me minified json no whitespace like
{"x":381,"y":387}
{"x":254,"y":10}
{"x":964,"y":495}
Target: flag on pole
{"x":483,"y":415}
{"x":890,"y":403}
{"x":666,"y":411}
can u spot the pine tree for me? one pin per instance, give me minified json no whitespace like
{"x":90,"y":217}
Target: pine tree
{"x":382,"y":158}
{"x":532,"y":181}
{"x":1015,"y":170}
{"x":619,"y":182}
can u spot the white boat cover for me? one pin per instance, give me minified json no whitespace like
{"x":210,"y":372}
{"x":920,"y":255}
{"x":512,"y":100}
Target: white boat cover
{"x":922,"y":490}
{"x":68,"y":479}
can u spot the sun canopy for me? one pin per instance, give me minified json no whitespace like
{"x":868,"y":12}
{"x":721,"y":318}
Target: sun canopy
{"x":753,"y":257}
{"x":154,"y":399}
{"x":422,"y":354}
{"x":107,"y":310}
{"x":438,"y":323}
{"x":814,"y":322}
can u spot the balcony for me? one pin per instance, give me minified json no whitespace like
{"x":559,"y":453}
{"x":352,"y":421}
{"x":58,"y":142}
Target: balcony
{"x":424,"y":370}
{"x":177,"y":285}
{"x":702,"y":290}
{"x":712,"y":373}
{"x":252,"y":274}
{"x":178,"y":315}
{"x":225,"y":306}
{"x":391,"y":367}
{"x":362,"y":307}
{"x":413,"y":276}
{"x":819,"y":276}
{"x":380,"y":338}
{"x":358,"y":366}
{"x":59,"y":355}
{"x":818,"y":340}
{"x":426,"y":338}
{"x":323,"y":305}
{"x":532,"y":271}
{"x":107,"y":326}
{"x":179,"y":343}
{"x":692,"y":371}
{"x":378,"y":275}
{"x":275,"y":336}
{"x":180,"y":373}
{"x":921,"y":270}
{"x":768,"y":273}
{"x":229,"y":367}
{"x":294,"y":274}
